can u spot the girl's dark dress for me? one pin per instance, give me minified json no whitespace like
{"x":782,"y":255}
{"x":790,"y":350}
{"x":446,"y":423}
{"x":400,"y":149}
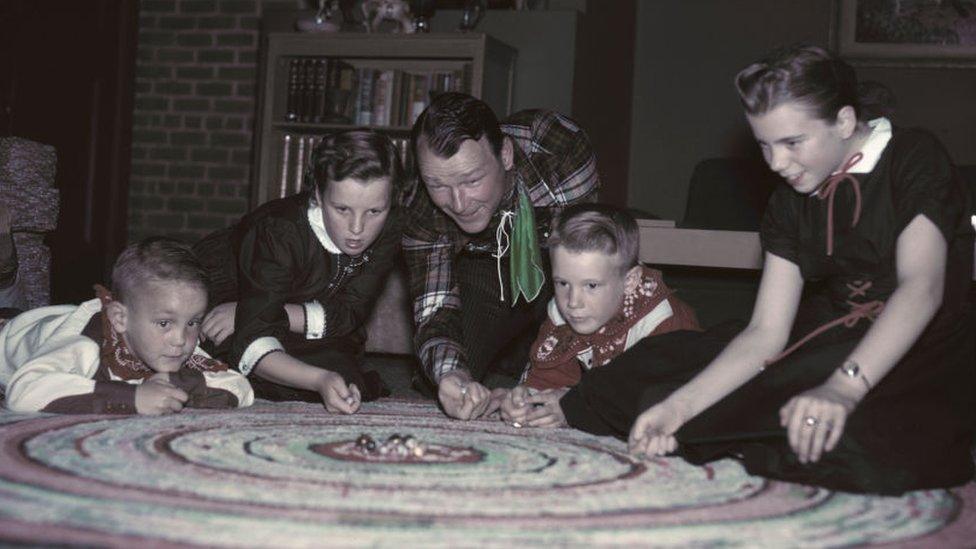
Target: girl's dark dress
{"x":914,"y":429}
{"x":273,"y":257}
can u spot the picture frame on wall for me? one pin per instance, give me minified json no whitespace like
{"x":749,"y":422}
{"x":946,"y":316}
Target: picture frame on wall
{"x":914,"y":32}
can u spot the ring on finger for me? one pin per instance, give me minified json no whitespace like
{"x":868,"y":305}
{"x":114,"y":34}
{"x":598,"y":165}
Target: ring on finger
{"x":810,"y":421}
{"x":464,"y":390}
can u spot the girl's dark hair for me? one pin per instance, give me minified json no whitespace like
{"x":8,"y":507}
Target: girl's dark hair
{"x":155,"y":259}
{"x":807,"y":74}
{"x":361,"y":154}
{"x":451,"y":119}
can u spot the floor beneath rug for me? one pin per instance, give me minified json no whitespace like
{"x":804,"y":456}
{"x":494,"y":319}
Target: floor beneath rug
{"x":290,"y":475}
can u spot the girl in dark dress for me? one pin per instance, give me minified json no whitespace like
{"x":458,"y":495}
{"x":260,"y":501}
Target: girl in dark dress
{"x":297,"y":278}
{"x":875,"y":391}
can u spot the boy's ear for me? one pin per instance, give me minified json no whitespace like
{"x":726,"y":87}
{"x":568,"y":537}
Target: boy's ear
{"x":632,"y":279}
{"x":118,"y":316}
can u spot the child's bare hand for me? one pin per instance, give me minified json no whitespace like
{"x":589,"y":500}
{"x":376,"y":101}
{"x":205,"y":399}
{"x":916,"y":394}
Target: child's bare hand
{"x":156,"y":397}
{"x":545,"y":410}
{"x":653,"y":431}
{"x":337,"y":396}
{"x":514,"y":406}
{"x":218,"y":325}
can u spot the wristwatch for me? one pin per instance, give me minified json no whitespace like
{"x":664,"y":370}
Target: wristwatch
{"x":852,"y":369}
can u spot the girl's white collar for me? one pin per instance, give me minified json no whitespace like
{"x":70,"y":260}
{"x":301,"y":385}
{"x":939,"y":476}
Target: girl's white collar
{"x":874,"y":146}
{"x":318,"y":227}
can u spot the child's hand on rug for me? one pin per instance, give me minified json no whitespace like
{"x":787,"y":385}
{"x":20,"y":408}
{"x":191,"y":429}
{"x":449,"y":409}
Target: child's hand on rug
{"x":544,"y":409}
{"x":462,"y":397}
{"x":514,"y":406}
{"x":218,"y":324}
{"x":156,"y":397}
{"x":337,"y":396}
{"x":653,"y":431}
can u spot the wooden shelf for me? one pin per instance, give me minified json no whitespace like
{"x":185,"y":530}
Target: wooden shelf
{"x":486,"y":68}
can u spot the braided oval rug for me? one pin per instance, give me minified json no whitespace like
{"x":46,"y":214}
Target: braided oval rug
{"x":290,"y":475}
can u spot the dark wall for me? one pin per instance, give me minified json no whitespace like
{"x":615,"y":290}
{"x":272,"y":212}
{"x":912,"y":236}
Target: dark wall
{"x":685,"y":107}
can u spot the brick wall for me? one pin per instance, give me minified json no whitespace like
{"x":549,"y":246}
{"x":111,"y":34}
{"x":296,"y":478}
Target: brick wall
{"x":193,"y":124}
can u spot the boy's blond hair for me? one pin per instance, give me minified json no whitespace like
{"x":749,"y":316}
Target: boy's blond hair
{"x":597,"y":228}
{"x":155,"y":259}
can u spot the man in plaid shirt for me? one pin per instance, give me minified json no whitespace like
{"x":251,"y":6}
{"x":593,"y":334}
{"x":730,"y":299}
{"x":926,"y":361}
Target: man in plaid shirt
{"x":463,"y":225}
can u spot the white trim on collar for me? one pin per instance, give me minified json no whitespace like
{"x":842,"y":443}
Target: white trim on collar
{"x":874,"y":146}
{"x":554,"y":315}
{"x":318,"y":227}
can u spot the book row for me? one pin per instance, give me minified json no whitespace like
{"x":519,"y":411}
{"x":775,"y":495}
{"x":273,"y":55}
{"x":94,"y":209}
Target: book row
{"x":330,"y":90}
{"x":295,"y":152}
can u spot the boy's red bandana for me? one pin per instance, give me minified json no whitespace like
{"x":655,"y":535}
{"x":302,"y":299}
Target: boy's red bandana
{"x":117,"y":357}
{"x":553,"y":358}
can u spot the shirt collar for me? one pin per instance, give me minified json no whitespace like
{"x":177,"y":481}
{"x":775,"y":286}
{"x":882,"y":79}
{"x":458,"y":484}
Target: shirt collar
{"x":874,"y":146}
{"x":318,"y":227}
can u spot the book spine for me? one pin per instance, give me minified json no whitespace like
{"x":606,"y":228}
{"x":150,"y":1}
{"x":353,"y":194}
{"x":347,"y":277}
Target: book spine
{"x":291,"y":108}
{"x":299,"y":165}
{"x":366,"y":81}
{"x":382,"y":96}
{"x":308,"y":90}
{"x":285,"y":166}
{"x":321,"y":69}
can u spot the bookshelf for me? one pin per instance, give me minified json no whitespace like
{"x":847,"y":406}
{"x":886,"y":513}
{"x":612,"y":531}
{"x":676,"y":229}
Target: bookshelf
{"x":312,"y":84}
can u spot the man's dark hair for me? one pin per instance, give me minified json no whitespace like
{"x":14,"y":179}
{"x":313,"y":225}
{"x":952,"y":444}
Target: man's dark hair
{"x":451,"y":119}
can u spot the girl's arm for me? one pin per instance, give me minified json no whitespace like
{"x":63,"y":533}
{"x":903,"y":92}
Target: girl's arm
{"x":767,"y":333}
{"x":920,"y":261}
{"x":284,"y":369}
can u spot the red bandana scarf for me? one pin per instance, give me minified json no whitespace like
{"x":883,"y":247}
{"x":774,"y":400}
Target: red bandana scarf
{"x":553,"y":354}
{"x":117,"y":357}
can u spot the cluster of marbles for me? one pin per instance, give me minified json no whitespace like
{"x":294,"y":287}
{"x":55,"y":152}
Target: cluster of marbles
{"x":395,"y":445}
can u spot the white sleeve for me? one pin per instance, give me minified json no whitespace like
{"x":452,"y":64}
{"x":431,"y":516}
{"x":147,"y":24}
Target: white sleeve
{"x":649,"y":323}
{"x":232,"y":382}
{"x":62,"y":371}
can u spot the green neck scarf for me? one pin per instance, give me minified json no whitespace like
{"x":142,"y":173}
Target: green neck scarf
{"x":525,"y":258}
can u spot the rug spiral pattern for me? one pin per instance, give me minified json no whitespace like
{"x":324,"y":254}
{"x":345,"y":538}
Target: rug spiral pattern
{"x":288,"y":475}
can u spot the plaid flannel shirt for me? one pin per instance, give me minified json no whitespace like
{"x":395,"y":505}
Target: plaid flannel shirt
{"x":553,"y":164}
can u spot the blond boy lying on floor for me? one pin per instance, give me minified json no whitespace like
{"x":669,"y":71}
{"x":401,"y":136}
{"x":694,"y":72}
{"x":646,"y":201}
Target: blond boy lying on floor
{"x":132,"y":352}
{"x":604,"y":303}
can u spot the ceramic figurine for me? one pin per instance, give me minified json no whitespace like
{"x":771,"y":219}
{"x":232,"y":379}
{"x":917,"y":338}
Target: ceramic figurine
{"x":324,"y":20}
{"x":377,"y":11}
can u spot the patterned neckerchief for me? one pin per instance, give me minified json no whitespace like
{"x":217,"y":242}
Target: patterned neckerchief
{"x":123,"y":363}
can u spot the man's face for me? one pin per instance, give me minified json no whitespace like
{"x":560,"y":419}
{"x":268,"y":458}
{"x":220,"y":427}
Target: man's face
{"x":468,"y":186}
{"x":160,"y":323}
{"x":590,"y":287}
{"x":355,"y":211}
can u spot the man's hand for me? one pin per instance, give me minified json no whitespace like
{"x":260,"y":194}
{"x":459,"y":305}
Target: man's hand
{"x":653,"y":431}
{"x":156,"y":397}
{"x":336,"y":395}
{"x":461,"y":397}
{"x":218,"y":325}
